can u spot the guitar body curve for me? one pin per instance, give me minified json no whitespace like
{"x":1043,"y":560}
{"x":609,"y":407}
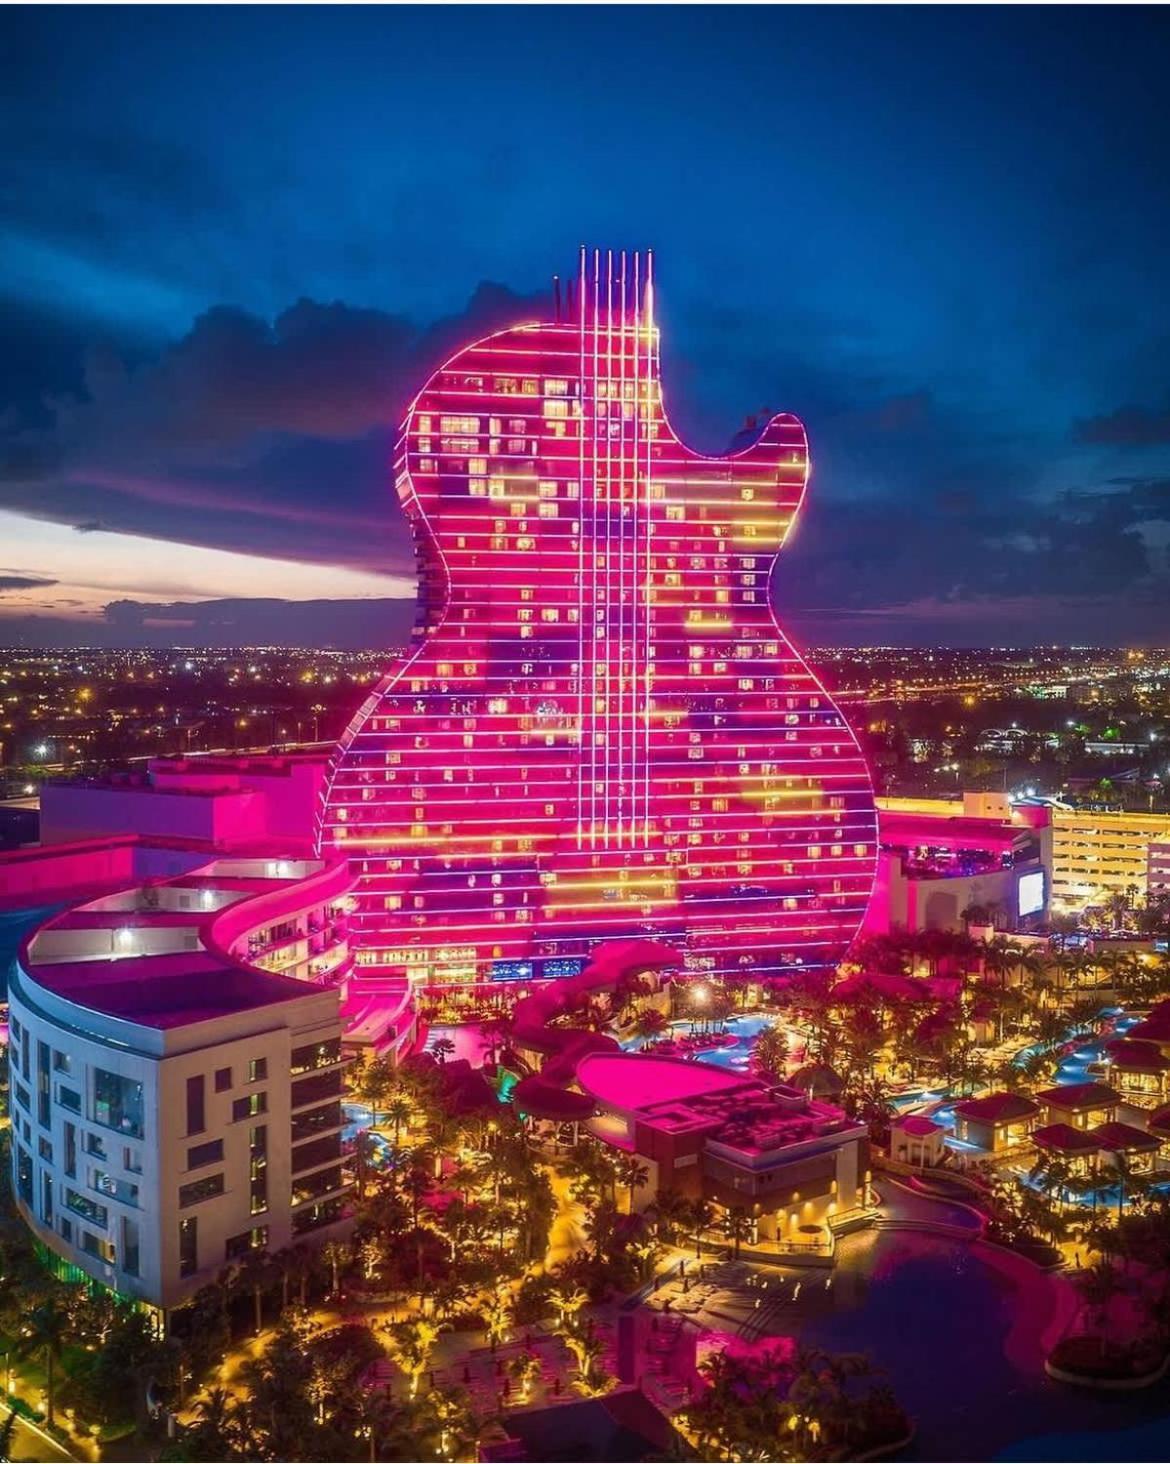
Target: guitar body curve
{"x":600,"y":731}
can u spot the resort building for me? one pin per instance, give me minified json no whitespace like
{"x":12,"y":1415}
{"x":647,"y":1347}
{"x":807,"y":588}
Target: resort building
{"x":1080,"y":1105}
{"x":1126,"y":1148}
{"x":177,"y":1074}
{"x":918,"y":1140}
{"x":1087,"y":855}
{"x":996,"y":1122}
{"x":793,"y":1165}
{"x":1138,"y":1070}
{"x":220,"y":803}
{"x":1158,"y":1125}
{"x":1096,"y":854}
{"x":939,"y":858}
{"x":1076,"y":1147}
{"x":600,"y":733}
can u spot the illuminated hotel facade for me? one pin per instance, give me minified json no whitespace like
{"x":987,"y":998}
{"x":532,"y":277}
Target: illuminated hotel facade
{"x":601,"y":731}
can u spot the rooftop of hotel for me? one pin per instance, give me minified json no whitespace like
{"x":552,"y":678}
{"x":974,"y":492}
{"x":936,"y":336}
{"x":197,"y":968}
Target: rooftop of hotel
{"x":150,"y":962}
{"x":1124,"y":1138}
{"x":1062,"y":1138}
{"x":997,"y":1108}
{"x":1135,"y":1057}
{"x":676,"y":1096}
{"x":1079,"y":1097}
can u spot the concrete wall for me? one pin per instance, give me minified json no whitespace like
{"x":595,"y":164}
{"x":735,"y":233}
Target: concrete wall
{"x":221,"y":820}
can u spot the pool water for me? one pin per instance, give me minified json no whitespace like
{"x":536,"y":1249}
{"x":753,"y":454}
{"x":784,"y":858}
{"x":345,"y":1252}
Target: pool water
{"x":737,"y":1057}
{"x":960,"y":1341}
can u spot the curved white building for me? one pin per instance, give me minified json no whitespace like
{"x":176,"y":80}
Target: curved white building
{"x":176,"y":1073}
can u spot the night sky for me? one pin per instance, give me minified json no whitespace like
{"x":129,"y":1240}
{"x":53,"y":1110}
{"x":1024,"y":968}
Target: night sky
{"x":233,"y":241}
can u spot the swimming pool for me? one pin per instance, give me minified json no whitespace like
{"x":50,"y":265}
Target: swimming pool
{"x":959,"y":1334}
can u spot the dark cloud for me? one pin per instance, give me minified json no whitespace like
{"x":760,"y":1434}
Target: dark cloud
{"x":344,"y":624}
{"x":246,"y":435}
{"x":833,"y":246}
{"x":1126,"y":427}
{"x":24,"y":582}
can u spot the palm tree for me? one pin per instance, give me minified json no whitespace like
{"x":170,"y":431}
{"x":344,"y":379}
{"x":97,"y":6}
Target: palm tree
{"x":442,"y":1131}
{"x":671,"y":1210}
{"x":770,"y":1053}
{"x":524,"y":1369}
{"x":737,"y":1226}
{"x":443,"y":1048}
{"x":336,"y":1254}
{"x":398,"y":1112}
{"x":300,"y":1266}
{"x":377,"y":1079}
{"x":415,"y":1341}
{"x":216,"y":1424}
{"x":7,"y":1434}
{"x":649,"y":1023}
{"x":568,"y":1298}
{"x":586,"y":1349}
{"x":496,"y":1310}
{"x":45,"y":1332}
{"x":255,"y":1274}
{"x":701,"y":1216}
{"x":633,"y":1175}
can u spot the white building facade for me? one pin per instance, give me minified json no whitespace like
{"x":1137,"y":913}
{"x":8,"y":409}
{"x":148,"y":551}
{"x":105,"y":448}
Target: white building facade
{"x":174,"y":1105}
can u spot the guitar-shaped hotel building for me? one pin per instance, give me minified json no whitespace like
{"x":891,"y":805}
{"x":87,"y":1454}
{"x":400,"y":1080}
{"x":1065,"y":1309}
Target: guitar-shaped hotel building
{"x":600,"y":731}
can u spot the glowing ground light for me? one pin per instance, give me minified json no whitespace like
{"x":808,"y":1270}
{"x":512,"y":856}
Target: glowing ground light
{"x":601,"y":731}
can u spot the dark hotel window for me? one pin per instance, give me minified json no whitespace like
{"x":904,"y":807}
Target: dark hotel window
{"x":249,"y":1107}
{"x":188,"y":1246}
{"x":196,"y":1121}
{"x":117,"y":1102}
{"x":203,"y":1154}
{"x":223,"y":1079}
{"x":199,"y":1190}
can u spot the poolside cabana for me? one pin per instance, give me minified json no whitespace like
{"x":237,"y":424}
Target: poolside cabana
{"x":1076,"y":1147}
{"x":1158,"y":1124}
{"x":996,"y":1122}
{"x":1138,"y":1071}
{"x":1123,"y":1145}
{"x":1081,"y":1105}
{"x":916,"y":1139}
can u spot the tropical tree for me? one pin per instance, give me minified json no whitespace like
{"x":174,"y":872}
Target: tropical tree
{"x":398,"y":1112}
{"x":701,"y":1217}
{"x":649,"y":1023}
{"x":8,"y":1434}
{"x":568,"y":1298}
{"x":587,"y":1349}
{"x":671,"y":1212}
{"x":633,"y":1175}
{"x":45,"y":1334}
{"x":215,"y":1433}
{"x":443,"y":1048}
{"x":524,"y":1369}
{"x":414,"y":1341}
{"x":336,"y":1253}
{"x":377,"y":1079}
{"x":737,"y":1227}
{"x":496,"y":1311}
{"x":770,"y":1054}
{"x":255,"y":1273}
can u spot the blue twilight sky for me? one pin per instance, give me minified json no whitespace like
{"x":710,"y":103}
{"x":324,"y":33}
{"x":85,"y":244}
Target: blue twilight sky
{"x":233,"y":240}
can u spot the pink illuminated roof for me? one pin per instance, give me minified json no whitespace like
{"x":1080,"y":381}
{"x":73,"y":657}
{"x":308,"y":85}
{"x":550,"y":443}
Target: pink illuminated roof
{"x":630,"y":1081}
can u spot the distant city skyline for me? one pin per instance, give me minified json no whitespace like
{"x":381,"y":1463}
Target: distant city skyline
{"x":907,"y":226}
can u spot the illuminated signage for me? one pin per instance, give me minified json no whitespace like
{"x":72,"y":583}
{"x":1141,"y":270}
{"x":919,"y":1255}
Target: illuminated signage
{"x":1030,"y":892}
